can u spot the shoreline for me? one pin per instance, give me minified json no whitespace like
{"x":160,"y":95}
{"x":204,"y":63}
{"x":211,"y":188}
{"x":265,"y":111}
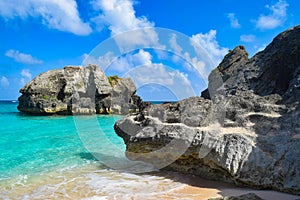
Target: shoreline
{"x":93,"y":182}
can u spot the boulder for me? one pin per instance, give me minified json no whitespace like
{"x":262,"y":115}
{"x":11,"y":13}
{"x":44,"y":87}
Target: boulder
{"x":246,"y":130}
{"x":76,"y":90}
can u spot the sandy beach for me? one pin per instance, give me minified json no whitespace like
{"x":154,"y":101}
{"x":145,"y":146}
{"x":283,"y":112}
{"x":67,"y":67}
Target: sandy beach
{"x":93,"y":183}
{"x":200,"y":189}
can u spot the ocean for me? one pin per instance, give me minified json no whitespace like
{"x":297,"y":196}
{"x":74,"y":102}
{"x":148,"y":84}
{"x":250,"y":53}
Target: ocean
{"x":52,"y":157}
{"x":81,"y":157}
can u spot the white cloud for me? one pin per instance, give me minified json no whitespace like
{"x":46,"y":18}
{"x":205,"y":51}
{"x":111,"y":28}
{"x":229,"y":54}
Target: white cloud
{"x":151,"y":73}
{"x":122,"y":64}
{"x":26,"y":76}
{"x":26,"y":73}
{"x":173,"y":43}
{"x":23,"y":81}
{"x":200,"y":67}
{"x":22,"y":57}
{"x":209,"y":43}
{"x":157,"y":73}
{"x":130,"y":61}
{"x":56,"y":14}
{"x":161,"y":54}
{"x":233,"y":20}
{"x":137,"y":39}
{"x":119,"y":16}
{"x":103,"y":61}
{"x":276,"y":17}
{"x":261,"y":48}
{"x":140,"y":67}
{"x":247,"y":38}
{"x":4,"y":82}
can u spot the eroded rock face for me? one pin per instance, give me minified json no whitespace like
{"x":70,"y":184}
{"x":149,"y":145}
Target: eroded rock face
{"x":246,"y":130}
{"x":268,"y":72}
{"x":245,"y":139}
{"x":122,"y":96}
{"x":75,"y":90}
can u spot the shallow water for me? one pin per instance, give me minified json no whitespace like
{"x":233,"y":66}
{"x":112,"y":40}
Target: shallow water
{"x":66,"y":157}
{"x":88,"y":182}
{"x":47,"y":157}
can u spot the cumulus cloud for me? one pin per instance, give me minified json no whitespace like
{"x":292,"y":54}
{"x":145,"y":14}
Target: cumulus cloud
{"x":202,"y":58}
{"x":119,"y":16}
{"x":137,"y":39}
{"x":275,"y":18}
{"x":247,"y":38}
{"x":56,"y":14}
{"x":141,"y":69}
{"x":26,"y":76}
{"x":157,"y":73}
{"x":194,"y":63}
{"x":173,"y":43}
{"x":130,"y":61}
{"x":234,"y":23}
{"x":121,"y":64}
{"x":4,"y":82}
{"x":209,"y":43}
{"x":22,"y":57}
{"x":102,"y":61}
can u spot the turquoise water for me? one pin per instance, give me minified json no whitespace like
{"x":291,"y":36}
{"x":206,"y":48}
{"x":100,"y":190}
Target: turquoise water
{"x":35,"y":144}
{"x":68,"y":157}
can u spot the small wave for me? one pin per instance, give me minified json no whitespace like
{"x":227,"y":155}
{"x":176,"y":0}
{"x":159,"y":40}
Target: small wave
{"x":88,"y":182}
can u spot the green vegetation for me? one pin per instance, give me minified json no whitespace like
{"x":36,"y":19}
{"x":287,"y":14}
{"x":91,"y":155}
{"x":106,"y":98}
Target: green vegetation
{"x":80,"y":85}
{"x":46,"y":97}
{"x":113,"y":80}
{"x":219,"y":67}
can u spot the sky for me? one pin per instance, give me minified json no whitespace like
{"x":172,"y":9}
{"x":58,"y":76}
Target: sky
{"x":167,"y":47}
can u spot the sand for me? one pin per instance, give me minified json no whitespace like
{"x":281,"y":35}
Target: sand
{"x":92,"y":183}
{"x":200,"y":189}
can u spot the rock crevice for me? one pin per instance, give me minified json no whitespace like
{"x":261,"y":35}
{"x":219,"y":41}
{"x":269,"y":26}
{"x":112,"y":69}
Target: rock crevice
{"x":245,"y":129}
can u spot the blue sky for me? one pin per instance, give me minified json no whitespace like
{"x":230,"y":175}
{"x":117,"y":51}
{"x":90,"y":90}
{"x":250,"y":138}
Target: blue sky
{"x":36,"y":36}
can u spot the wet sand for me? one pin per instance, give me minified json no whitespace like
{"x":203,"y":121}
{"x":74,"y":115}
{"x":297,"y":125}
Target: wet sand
{"x":200,"y":189}
{"x":92,"y":183}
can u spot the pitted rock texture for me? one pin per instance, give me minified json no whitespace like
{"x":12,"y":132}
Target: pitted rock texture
{"x":77,"y":90}
{"x":246,"y":130}
{"x":273,"y":70}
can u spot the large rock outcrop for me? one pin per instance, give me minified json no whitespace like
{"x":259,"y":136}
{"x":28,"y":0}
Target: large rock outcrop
{"x":246,"y":130}
{"x":78,"y":90}
{"x":268,"y":72}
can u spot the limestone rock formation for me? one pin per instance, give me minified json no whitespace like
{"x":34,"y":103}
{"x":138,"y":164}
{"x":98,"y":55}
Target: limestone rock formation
{"x":122,"y":96}
{"x":76,"y":90}
{"x":246,"y":130}
{"x":268,"y":72}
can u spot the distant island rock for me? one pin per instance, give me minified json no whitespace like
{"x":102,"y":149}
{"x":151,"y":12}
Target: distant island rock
{"x":78,"y":90}
{"x":244,"y":129}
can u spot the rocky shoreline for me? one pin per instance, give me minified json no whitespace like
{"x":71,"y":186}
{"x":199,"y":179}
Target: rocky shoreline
{"x":244,"y":129}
